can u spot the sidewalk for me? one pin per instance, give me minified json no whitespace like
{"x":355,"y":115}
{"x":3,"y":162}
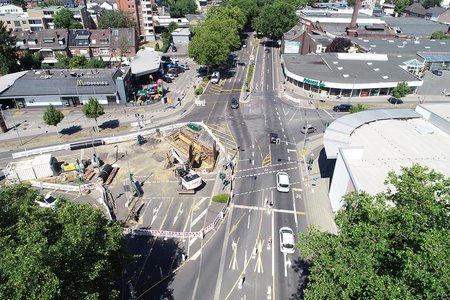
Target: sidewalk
{"x":315,"y":190}
{"x":30,"y":122}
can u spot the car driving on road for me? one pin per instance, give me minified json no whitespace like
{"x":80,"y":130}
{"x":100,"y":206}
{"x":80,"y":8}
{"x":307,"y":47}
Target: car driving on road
{"x":307,"y":129}
{"x":234,"y":103}
{"x":342,"y":107}
{"x":283,"y":182}
{"x":287,"y":243}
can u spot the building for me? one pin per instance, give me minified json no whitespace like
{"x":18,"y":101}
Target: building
{"x":367,"y":145}
{"x":115,"y":44}
{"x":65,"y":87}
{"x":10,"y":9}
{"x":349,"y":74}
{"x":141,"y":11}
{"x":45,"y":14}
{"x":444,"y":18}
{"x":414,"y":27}
{"x":302,"y":42}
{"x":181,"y":36}
{"x":433,"y":13}
{"x":415,"y":10}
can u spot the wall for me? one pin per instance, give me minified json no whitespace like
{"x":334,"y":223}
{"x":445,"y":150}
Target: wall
{"x":39,"y":101}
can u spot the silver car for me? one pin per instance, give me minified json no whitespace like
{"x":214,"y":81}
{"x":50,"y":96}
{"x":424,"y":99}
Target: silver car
{"x":287,"y":244}
{"x":283,"y":182}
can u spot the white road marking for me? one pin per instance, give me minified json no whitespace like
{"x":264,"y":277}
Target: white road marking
{"x":272,"y":249}
{"x":248,"y":222}
{"x":328,"y":114}
{"x":291,"y":150}
{"x":282,"y":129}
{"x":200,"y":202}
{"x":199,"y":217}
{"x":287,"y":263}
{"x":155,"y":213}
{"x":248,"y":207}
{"x":295,"y":209}
{"x":179,"y":212}
{"x":267,"y":172}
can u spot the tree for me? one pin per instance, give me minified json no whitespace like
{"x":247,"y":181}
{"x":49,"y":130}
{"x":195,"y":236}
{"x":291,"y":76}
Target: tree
{"x":8,"y":59}
{"x":78,"y":62}
{"x":401,"y":90}
{"x":225,"y":29}
{"x":275,"y":19}
{"x":96,"y":63}
{"x":207,"y":48}
{"x":393,"y":245}
{"x":62,"y":61}
{"x":180,"y":8}
{"x":71,"y":251}
{"x":53,"y":117}
{"x":63,"y":18}
{"x":400,"y":5}
{"x":47,"y":3}
{"x":339,"y":44}
{"x":172,"y":26}
{"x":30,"y":60}
{"x":115,"y":19}
{"x":431,"y":3}
{"x":231,"y":13}
{"x":357,"y":108}
{"x":93,"y":110}
{"x":249,"y":7}
{"x":440,"y":35}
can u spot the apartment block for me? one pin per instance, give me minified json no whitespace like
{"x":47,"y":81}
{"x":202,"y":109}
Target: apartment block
{"x":142,"y":13}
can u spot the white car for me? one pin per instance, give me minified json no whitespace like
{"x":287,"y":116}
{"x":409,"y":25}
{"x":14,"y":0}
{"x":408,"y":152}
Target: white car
{"x":287,"y":243}
{"x":283,"y":182}
{"x":48,"y":202}
{"x":174,"y":59}
{"x":215,"y":77}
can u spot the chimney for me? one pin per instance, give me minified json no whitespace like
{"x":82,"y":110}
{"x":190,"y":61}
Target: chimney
{"x":352,"y":28}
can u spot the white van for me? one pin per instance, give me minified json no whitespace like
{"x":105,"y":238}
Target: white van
{"x":215,"y":77}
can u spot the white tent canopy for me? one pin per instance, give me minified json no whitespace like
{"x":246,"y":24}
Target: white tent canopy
{"x":146,"y":62}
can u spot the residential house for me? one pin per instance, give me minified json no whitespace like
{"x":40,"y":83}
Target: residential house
{"x":79,"y":13}
{"x":433,"y":13}
{"x":298,"y":41}
{"x":79,"y":42}
{"x":51,"y":43}
{"x":444,"y":18}
{"x":415,"y":10}
{"x":15,"y":22}
{"x":10,"y":9}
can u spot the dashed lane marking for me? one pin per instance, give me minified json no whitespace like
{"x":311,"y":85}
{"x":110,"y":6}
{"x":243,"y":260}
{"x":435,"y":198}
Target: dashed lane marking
{"x":261,"y":190}
{"x":267,"y":172}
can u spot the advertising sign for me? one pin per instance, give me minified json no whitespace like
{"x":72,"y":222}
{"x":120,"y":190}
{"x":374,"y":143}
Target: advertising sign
{"x":291,"y":47}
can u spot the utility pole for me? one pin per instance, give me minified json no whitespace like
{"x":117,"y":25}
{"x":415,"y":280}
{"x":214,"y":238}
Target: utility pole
{"x":15,"y":127}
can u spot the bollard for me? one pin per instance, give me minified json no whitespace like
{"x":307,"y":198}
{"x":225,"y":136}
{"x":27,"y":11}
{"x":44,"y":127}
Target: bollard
{"x":241,"y":282}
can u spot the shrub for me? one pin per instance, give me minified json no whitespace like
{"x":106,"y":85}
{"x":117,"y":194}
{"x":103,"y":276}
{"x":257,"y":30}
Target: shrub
{"x":222,"y":198}
{"x":357,"y":108}
{"x":157,"y":47}
{"x":249,"y":76}
{"x":205,"y":78}
{"x":402,"y":89}
{"x":199,"y":90}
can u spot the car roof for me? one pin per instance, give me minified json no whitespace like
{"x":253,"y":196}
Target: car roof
{"x":283,"y":177}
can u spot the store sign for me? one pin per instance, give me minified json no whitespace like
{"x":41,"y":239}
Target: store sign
{"x":313,"y":82}
{"x":92,"y":83}
{"x":291,"y":47}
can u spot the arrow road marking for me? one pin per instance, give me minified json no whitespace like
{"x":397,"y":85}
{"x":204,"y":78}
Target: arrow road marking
{"x":155,"y":213}
{"x":259,"y":266}
{"x":233,"y":262}
{"x":179,"y":212}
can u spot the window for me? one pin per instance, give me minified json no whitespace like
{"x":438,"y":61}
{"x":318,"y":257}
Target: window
{"x":49,"y":40}
{"x":104,"y":41}
{"x":24,"y":22}
{"x":115,"y":32}
{"x":8,"y":22}
{"x":17,"y":23}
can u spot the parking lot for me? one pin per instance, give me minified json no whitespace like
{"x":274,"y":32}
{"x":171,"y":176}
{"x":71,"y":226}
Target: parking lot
{"x":435,"y":85}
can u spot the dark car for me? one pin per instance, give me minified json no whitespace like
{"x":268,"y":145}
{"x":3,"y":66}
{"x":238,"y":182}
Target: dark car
{"x":273,"y":138}
{"x":342,"y":107}
{"x":175,"y":71}
{"x":437,"y":72}
{"x":165,"y":58}
{"x":234,"y":103}
{"x":172,"y":65}
{"x":393,"y":100}
{"x":174,"y":49}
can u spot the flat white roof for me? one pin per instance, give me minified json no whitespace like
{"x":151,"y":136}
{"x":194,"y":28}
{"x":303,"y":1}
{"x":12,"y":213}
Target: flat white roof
{"x":439,"y":109}
{"x":145,"y":62}
{"x":388,"y":145}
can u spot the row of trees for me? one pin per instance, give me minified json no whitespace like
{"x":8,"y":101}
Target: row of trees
{"x":78,"y":62}
{"x":393,"y":245}
{"x":71,"y":251}
{"x":92,"y":110}
{"x":214,"y":40}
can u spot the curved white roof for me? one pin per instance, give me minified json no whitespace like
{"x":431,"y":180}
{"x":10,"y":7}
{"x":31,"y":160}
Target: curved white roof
{"x":338,"y":133}
{"x":146,"y":62}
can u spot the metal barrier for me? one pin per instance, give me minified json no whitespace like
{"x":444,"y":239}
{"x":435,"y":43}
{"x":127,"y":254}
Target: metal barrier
{"x":41,"y":150}
{"x":56,"y":186}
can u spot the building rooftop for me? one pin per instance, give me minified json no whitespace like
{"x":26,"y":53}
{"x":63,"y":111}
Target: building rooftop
{"x":351,"y":68}
{"x":402,"y":46}
{"x":417,"y":27}
{"x":389,"y":145}
{"x":61,"y":81}
{"x":146,"y":62}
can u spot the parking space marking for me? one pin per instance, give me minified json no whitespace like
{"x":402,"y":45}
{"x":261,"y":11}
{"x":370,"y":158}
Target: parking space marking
{"x":196,"y":205}
{"x":199,"y":217}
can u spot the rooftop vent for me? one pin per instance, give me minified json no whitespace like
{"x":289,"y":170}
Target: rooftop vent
{"x":385,"y":77}
{"x":346,"y":75}
{"x":340,"y":68}
{"x":376,"y":69}
{"x":424,"y":130}
{"x":369,"y":63}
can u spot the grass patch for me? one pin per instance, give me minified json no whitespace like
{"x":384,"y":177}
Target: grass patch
{"x":222,"y":198}
{"x":251,"y":67}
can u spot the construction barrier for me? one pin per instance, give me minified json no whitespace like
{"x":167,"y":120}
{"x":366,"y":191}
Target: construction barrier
{"x":41,"y":150}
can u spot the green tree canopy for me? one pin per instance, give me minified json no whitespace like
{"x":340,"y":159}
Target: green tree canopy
{"x":400,"y":5}
{"x":440,"y":35}
{"x":394,"y":245}
{"x":30,"y":60}
{"x":78,"y":62}
{"x":93,"y":109}
{"x":357,"y":108}
{"x":96,"y":63}
{"x":275,"y":19}
{"x":8,"y":59}
{"x":249,"y":7}
{"x":172,"y":26}
{"x":62,"y":61}
{"x":71,"y":251}
{"x":115,"y":19}
{"x":179,"y":8}
{"x":223,"y":28}
{"x":230,"y":13}
{"x":401,"y":90}
{"x":47,"y":3}
{"x":431,"y":3}
{"x":53,"y":117}
{"x":207,"y":48}
{"x":63,"y":18}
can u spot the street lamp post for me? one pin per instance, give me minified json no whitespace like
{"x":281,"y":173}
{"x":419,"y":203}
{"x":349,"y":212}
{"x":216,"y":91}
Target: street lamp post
{"x":15,"y":127}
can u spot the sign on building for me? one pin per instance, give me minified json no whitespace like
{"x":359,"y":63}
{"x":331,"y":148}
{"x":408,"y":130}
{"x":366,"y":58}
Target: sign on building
{"x":292,"y":47}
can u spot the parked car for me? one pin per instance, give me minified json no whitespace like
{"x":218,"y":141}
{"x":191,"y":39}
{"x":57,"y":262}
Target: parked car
{"x":437,"y":72}
{"x":287,"y":243}
{"x":234,"y":103}
{"x":170,"y":76}
{"x":215,"y":77}
{"x":172,"y":65}
{"x":174,"y":59}
{"x":342,"y":107}
{"x":165,"y":58}
{"x":244,"y":45}
{"x":283,"y":182}
{"x":307,"y":129}
{"x":175,"y":71}
{"x":185,"y":66}
{"x":48,"y":202}
{"x":167,"y":78}
{"x":393,"y":100}
{"x":178,"y":68}
{"x":174,"y":49}
{"x":202,"y":71}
